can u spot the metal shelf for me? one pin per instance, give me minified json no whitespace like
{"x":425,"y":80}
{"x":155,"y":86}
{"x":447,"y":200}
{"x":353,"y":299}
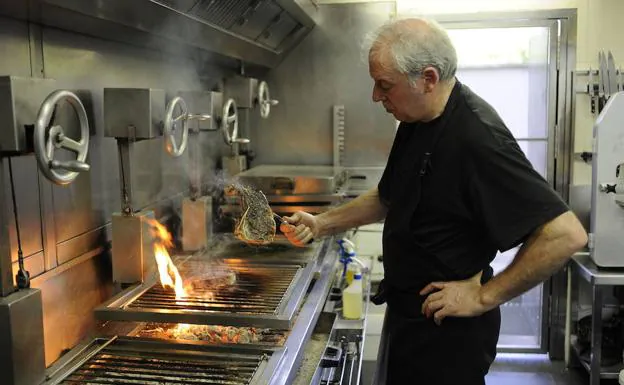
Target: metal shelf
{"x":606,"y":372}
{"x":595,"y":275}
{"x":586,"y":269}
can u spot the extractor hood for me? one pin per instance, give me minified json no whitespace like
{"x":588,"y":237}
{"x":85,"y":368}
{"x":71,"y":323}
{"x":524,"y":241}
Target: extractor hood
{"x":258,"y":32}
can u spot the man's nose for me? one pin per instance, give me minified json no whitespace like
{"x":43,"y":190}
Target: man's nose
{"x":377,"y":95}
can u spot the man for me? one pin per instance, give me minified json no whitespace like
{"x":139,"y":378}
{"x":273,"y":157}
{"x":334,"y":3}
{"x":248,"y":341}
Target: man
{"x":456,"y":189}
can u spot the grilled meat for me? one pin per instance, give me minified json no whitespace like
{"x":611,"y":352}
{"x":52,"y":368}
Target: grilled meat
{"x":256,"y":226}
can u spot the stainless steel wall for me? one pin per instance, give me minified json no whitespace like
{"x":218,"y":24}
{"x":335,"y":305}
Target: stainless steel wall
{"x":65,"y":230}
{"x":326,"y":69}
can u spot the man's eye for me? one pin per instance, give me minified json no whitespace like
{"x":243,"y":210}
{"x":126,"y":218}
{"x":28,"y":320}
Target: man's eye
{"x":385,"y":86}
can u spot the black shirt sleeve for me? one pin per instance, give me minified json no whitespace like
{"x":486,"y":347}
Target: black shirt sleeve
{"x":508,"y":195}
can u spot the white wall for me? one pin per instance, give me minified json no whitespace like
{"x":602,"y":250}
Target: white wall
{"x":600,"y":26}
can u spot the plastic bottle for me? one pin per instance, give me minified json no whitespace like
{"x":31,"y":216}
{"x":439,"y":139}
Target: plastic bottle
{"x":352,"y":300}
{"x":352,"y":269}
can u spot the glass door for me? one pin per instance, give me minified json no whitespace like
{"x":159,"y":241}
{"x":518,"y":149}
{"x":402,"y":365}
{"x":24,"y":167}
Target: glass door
{"x":513,"y":68}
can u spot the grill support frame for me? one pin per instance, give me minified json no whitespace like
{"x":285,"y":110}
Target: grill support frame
{"x":270,"y":359}
{"x":118,"y":308}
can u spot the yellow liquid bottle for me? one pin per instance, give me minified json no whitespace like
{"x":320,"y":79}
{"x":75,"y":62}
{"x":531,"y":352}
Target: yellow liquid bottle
{"x":352,"y":301}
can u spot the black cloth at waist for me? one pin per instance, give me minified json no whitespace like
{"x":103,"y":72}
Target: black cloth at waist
{"x":408,"y":303}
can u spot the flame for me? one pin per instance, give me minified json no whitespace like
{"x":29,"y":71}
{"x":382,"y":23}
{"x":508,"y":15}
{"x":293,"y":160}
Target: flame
{"x":168,"y":272}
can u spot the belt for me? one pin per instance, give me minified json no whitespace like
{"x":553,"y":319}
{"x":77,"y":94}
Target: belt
{"x":408,"y":303}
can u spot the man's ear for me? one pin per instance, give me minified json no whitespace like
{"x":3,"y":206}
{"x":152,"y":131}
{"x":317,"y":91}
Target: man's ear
{"x":431,"y":78}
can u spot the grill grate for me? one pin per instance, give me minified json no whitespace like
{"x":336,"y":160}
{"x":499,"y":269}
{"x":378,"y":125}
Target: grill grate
{"x":258,"y":289}
{"x":115,"y":366}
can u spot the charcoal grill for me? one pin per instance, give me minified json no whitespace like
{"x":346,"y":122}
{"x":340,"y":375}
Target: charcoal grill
{"x":125,"y":361}
{"x":264,"y":295}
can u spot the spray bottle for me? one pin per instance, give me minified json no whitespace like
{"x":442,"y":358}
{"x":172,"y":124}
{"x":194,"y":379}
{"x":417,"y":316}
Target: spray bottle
{"x":351,"y":264}
{"x":352,"y":299}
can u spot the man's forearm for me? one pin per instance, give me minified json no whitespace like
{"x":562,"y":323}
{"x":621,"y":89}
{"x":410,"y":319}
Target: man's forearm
{"x":545,"y":252}
{"x":367,"y":208}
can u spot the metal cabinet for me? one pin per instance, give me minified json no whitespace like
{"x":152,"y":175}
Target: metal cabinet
{"x":584,"y":268}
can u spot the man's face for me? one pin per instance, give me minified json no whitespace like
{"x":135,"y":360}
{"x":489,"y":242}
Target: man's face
{"x":402,"y":98}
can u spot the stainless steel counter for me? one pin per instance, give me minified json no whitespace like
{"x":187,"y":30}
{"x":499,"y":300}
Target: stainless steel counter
{"x":595,"y":275}
{"x":362,"y":179}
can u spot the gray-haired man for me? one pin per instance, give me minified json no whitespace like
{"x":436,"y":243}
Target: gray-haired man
{"x":457,"y":188}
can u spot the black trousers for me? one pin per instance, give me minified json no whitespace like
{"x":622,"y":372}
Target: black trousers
{"x":416,"y":351}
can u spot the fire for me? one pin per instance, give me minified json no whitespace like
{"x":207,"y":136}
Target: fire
{"x":168,"y":272}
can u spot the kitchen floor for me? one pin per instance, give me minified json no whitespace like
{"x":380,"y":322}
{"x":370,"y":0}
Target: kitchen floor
{"x":520,"y":369}
{"x":533,"y":369}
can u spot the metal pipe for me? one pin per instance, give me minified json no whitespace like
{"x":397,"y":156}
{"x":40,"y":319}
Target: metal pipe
{"x":568,"y":318}
{"x":6,"y":266}
{"x":124,"y":175}
{"x":23,"y":277}
{"x":344,"y":346}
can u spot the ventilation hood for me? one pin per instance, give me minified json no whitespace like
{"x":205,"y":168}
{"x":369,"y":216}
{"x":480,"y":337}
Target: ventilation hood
{"x":258,"y":32}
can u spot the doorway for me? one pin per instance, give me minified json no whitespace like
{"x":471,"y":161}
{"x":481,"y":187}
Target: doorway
{"x":519,"y":65}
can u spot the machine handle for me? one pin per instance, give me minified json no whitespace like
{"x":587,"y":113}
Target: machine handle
{"x":229,"y":119}
{"x":47,"y":138}
{"x":264,"y":100}
{"x":69,"y":165}
{"x":200,"y":117}
{"x":170,"y":127}
{"x":607,"y":188}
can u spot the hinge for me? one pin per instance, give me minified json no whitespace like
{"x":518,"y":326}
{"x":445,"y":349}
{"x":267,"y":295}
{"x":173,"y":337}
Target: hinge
{"x":558,"y":59}
{"x":556,"y":141}
{"x":591,"y":240}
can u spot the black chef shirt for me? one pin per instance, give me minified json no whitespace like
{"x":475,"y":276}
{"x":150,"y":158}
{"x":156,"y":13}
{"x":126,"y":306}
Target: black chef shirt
{"x":476,"y":193}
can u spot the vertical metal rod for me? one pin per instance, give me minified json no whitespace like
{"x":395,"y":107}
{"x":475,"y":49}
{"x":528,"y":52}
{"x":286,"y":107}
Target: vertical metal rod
{"x":352,"y":359}
{"x":125,"y":175}
{"x":22,"y":277}
{"x":596,"y":336}
{"x":6,"y":266}
{"x":195,"y":163}
{"x":14,"y":202}
{"x":343,"y":358}
{"x":568,"y":318}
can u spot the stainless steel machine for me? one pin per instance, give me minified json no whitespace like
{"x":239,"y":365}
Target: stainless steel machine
{"x":244,"y":94}
{"x":290,"y":188}
{"x":28,"y":115}
{"x":132,"y":115}
{"x":274,"y":325}
{"x":607,"y":197}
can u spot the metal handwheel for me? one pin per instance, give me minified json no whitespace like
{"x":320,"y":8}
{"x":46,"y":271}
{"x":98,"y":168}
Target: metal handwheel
{"x":47,"y":138}
{"x":171,"y":123}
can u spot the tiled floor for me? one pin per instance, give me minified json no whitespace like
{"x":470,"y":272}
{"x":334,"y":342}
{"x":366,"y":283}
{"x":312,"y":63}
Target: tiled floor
{"x":532,"y":369}
{"x":521,"y":369}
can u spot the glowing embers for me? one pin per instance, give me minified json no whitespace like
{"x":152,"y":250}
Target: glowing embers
{"x":214,"y":334}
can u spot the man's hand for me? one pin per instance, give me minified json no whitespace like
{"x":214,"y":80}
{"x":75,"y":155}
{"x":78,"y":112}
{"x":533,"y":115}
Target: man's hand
{"x":453,"y":299}
{"x":300,"y":228}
